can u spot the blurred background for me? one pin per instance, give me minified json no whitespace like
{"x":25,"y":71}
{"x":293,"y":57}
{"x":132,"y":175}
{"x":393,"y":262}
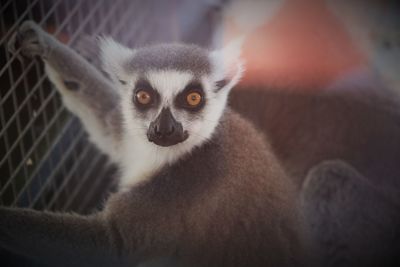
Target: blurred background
{"x":315,"y":42}
{"x":305,"y":45}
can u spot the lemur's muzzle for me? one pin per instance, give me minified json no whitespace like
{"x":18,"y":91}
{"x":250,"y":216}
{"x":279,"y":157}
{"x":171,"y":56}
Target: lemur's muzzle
{"x":165,"y":130}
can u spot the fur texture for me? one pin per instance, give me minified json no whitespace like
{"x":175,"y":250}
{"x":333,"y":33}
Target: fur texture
{"x":354,"y":208}
{"x":220,"y":198}
{"x":356,"y":124}
{"x":168,"y":69}
{"x":354,"y":224}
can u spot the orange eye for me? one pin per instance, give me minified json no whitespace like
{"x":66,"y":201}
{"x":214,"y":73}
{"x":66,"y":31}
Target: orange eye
{"x":143,"y":97}
{"x":193,"y":99}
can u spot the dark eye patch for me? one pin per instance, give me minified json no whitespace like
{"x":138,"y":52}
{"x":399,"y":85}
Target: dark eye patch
{"x":181,"y":102}
{"x":144,"y":85}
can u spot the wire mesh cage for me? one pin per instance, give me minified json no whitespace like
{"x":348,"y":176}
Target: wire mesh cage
{"x":46,"y":161}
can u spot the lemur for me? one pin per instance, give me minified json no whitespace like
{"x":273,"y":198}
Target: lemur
{"x":341,"y":146}
{"x":199,"y":184}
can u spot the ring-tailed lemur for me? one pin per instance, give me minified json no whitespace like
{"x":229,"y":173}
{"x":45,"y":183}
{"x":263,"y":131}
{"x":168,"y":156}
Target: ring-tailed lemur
{"x":199,"y":186}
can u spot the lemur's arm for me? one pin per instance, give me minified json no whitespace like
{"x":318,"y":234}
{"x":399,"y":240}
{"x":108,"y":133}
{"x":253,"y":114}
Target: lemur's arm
{"x":84,"y":89}
{"x":59,"y":239}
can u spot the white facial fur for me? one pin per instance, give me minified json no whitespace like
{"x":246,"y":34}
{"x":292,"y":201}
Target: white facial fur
{"x":140,"y":158}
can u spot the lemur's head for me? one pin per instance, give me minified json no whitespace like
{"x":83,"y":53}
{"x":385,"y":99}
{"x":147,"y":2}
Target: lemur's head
{"x":172,"y":94}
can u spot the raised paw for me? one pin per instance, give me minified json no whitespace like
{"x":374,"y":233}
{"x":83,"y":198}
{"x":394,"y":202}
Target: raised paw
{"x":30,"y":38}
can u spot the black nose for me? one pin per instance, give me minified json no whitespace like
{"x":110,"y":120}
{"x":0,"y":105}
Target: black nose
{"x":165,"y":130}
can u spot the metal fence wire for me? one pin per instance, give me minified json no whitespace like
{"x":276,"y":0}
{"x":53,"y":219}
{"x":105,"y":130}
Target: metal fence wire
{"x":46,"y":161}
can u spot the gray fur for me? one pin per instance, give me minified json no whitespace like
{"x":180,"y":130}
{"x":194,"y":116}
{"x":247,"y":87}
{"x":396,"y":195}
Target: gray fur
{"x":228,"y":203}
{"x":87,"y":47}
{"x":335,"y":194}
{"x":228,"y":206}
{"x":214,"y":208}
{"x":357,"y":125}
{"x":94,"y":90}
{"x":57,"y":239}
{"x":306,"y":126}
{"x":171,"y":56}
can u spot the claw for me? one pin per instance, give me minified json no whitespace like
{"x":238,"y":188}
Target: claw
{"x":14,"y":44}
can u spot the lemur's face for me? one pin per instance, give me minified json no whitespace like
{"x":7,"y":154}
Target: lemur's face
{"x":172,"y":95}
{"x":170,"y":107}
{"x":175,"y":106}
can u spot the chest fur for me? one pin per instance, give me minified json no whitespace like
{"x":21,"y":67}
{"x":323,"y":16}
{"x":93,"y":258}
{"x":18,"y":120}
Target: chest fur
{"x":142,"y":160}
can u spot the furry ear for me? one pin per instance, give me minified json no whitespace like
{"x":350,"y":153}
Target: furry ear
{"x":228,"y":67}
{"x":114,"y":58}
